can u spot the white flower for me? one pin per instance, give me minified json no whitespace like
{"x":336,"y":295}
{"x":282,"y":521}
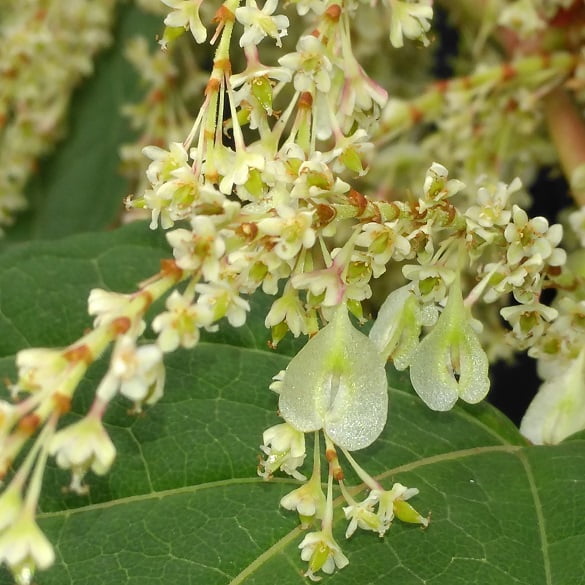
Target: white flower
{"x":284,"y":447}
{"x":308,"y":500}
{"x":437,"y":186}
{"x":529,"y":320}
{"x":139,"y":371}
{"x":235,"y":166}
{"x":529,"y":238}
{"x":327,"y":282}
{"x":81,"y":446}
{"x":256,"y":70}
{"x":360,"y":94}
{"x":179,"y":326}
{"x":558,"y":409}
{"x":315,"y":178}
{"x":316,"y":6}
{"x":107,"y":306}
{"x":523,"y":279}
{"x":411,"y":20}
{"x":260,"y":23}
{"x":177,"y":197}
{"x":323,"y":554}
{"x":393,"y":502}
{"x":23,"y":547}
{"x":289,"y":309}
{"x":40,"y":369}
{"x":199,"y":248}
{"x":186,"y":14}
{"x":430,"y":282}
{"x":292,"y":228}
{"x":492,"y":209}
{"x":223,"y":301}
{"x":383,"y":242}
{"x":164,"y":162}
{"x":522,"y":17}
{"x":310,"y":65}
{"x":362,"y":515}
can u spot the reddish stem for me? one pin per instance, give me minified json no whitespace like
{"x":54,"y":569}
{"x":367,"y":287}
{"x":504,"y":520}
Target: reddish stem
{"x":567,"y":129}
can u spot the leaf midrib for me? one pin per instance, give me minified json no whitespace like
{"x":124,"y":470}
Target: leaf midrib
{"x":453,"y":455}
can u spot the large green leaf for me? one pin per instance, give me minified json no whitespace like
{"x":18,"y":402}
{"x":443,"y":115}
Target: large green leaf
{"x":183,"y":503}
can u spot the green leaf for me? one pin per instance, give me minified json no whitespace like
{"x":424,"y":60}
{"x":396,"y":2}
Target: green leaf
{"x":183,"y":503}
{"x":44,"y":285}
{"x":79,"y":187}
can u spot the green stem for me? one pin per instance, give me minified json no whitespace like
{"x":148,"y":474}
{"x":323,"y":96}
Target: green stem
{"x":363,"y":474}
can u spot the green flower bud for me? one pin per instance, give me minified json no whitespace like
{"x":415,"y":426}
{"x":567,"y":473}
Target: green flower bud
{"x":405,"y":512}
{"x":449,"y":362}
{"x":350,"y":158}
{"x":337,"y":383}
{"x":254,"y":184}
{"x":262,"y":91}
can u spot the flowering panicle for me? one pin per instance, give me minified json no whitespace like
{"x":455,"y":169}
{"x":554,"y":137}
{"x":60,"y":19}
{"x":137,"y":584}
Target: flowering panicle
{"x":274,"y":185}
{"x":325,"y":389}
{"x":47,"y":49}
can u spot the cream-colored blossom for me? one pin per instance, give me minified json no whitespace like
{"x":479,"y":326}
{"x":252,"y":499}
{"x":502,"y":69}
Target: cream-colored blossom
{"x":383,"y":242}
{"x":261,"y":23}
{"x":528,"y":238}
{"x":82,"y":446}
{"x":288,"y":309}
{"x":284,"y":447}
{"x":23,"y":547}
{"x":410,"y":20}
{"x":529,"y":320}
{"x":180,"y":324}
{"x":292,"y":230}
{"x":310,"y":65}
{"x":430,"y":282}
{"x":522,"y":17}
{"x":393,"y":503}
{"x":362,"y":515}
{"x":164,"y":162}
{"x":223,"y":301}
{"x":437,"y":186}
{"x":199,"y":248}
{"x":139,"y":371}
{"x":106,"y":305}
{"x":186,"y":14}
{"x":558,"y":409}
{"x":308,"y":500}
{"x":323,"y":554}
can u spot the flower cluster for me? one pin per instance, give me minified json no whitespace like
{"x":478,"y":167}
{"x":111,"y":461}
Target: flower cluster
{"x":47,"y":48}
{"x":271,"y":187}
{"x":326,"y":388}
